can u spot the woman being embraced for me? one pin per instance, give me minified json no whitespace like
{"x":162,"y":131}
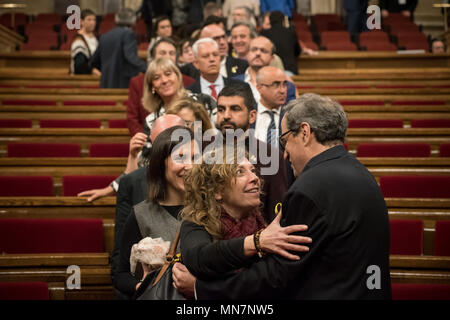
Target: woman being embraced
{"x":222,"y":219}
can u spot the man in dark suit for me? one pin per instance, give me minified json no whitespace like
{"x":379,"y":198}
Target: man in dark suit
{"x":207,"y":61}
{"x":342,"y":205}
{"x":406,"y":7}
{"x":285,"y":40}
{"x":229,"y":66}
{"x":356,"y":15}
{"x":116,"y":55}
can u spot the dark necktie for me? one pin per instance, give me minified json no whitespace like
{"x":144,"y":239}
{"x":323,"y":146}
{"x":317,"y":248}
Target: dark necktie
{"x":271,"y":130}
{"x":213,"y":91}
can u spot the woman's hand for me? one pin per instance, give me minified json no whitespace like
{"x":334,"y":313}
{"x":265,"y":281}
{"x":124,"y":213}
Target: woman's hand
{"x":97,"y":193}
{"x":146,"y":271}
{"x":183,"y":280}
{"x":137,"y":143}
{"x":276,"y":239}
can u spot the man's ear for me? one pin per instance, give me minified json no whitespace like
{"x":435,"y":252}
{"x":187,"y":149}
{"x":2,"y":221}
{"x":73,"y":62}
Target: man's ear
{"x":305,"y":132}
{"x":252,"y":116}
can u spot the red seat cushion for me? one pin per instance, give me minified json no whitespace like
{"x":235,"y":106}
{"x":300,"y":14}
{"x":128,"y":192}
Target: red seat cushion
{"x":89,"y":103}
{"x":406,"y":237}
{"x":415,"y":186}
{"x":394,"y":150}
{"x":430,"y":123}
{"x":117,"y":123}
{"x":51,"y":235}
{"x":19,"y":102}
{"x":375,"y":123}
{"x":442,"y":238}
{"x":361,"y":102}
{"x":420,"y":291}
{"x":26,"y":186}
{"x":72,"y":185}
{"x":69,"y":123}
{"x":417,"y":103}
{"x":16,"y":123}
{"x":109,"y":150}
{"x":44,"y":150}
{"x":444,"y":150}
{"x":24,"y":291}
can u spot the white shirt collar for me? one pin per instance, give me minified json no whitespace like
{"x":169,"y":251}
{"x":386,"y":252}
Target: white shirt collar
{"x":262,"y":109}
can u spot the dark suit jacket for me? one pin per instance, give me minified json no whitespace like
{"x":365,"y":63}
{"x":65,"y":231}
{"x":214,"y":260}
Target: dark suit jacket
{"x":393,"y":6}
{"x":340,"y":201}
{"x":136,"y":113}
{"x":116,"y":57}
{"x":286,"y":44}
{"x":133,"y":189}
{"x":197,"y":88}
{"x":234,"y":67}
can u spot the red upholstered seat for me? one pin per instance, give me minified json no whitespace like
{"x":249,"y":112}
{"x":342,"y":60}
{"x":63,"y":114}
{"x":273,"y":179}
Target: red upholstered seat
{"x":430,"y":123}
{"x":406,"y":237}
{"x":375,"y":123}
{"x":420,"y":291}
{"x":143,"y":46}
{"x":442,"y":238}
{"x":117,"y":123}
{"x":415,"y":186}
{"x":361,"y":102}
{"x":19,"y":102}
{"x":26,"y":186}
{"x":51,"y":235}
{"x":444,"y":150}
{"x":24,"y":291}
{"x":16,"y":123}
{"x":72,"y":185}
{"x":89,"y":103}
{"x":379,"y":46}
{"x":70,"y":123}
{"x":394,"y":150}
{"x":417,"y":103}
{"x":341,"y":46}
{"x":109,"y":150}
{"x":44,"y":150}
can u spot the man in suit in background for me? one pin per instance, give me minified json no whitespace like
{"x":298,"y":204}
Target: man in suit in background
{"x":207,"y":61}
{"x":406,"y":7}
{"x":342,"y":205}
{"x":272,"y":86}
{"x":229,"y":66}
{"x":116,"y":55}
{"x":260,"y":55}
{"x":356,"y":15}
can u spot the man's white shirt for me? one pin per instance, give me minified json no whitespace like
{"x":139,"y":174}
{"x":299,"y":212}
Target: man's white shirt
{"x":263,"y":121}
{"x":205,"y":85}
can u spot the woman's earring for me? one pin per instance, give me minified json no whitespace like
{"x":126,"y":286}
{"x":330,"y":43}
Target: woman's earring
{"x":153,"y":91}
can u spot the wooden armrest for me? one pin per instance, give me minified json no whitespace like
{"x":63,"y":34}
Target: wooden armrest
{"x":419,"y":262}
{"x":417,"y":202}
{"x":55,"y":201}
{"x":54,"y":259}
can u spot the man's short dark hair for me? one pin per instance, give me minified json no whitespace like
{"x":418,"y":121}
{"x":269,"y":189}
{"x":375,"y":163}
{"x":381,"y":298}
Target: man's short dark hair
{"x":157,"y":43}
{"x":86,"y":12}
{"x":157,"y":21}
{"x":240,"y":89}
{"x":214,"y":20}
{"x":125,"y":17}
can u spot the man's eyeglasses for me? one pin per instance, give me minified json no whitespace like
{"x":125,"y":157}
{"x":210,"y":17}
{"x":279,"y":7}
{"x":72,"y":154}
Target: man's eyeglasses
{"x":283,"y":138}
{"x":276,"y":84}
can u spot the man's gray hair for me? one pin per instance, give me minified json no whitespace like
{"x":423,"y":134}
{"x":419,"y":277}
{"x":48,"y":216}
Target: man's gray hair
{"x":326,"y":117}
{"x":247,"y":10}
{"x":203,"y":41}
{"x":125,"y":17}
{"x":253,"y":33}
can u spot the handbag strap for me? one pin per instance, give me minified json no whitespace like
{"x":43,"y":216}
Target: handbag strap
{"x":169,"y":257}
